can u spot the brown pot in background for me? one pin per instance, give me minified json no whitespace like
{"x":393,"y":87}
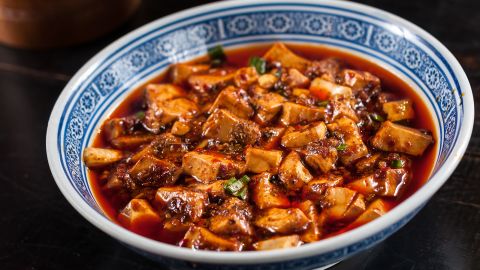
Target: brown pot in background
{"x":54,"y":23}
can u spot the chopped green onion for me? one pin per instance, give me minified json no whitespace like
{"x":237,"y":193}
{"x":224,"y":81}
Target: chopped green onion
{"x":238,"y":187}
{"x":140,"y":115}
{"x":341,"y":147}
{"x":323,"y":103}
{"x":259,"y":64}
{"x":278,"y":73}
{"x":397,"y":164}
{"x":216,"y":54}
{"x":377,"y":117}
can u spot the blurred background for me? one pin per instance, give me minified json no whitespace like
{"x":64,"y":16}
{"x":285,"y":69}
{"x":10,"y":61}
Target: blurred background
{"x":47,"y":41}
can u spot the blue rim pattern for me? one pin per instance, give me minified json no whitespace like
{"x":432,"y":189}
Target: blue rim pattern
{"x":184,"y":39}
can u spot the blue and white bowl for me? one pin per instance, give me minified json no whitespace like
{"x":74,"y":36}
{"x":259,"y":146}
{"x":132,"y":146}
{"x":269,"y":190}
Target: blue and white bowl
{"x":378,"y":36}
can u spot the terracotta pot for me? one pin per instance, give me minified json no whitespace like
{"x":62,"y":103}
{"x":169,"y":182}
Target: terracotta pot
{"x":54,"y":23}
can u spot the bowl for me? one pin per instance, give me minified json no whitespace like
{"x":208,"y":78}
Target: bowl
{"x":399,"y":46}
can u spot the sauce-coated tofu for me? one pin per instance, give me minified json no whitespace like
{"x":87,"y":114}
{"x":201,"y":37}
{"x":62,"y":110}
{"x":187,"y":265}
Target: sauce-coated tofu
{"x":100,"y":157}
{"x":139,"y":216}
{"x":281,"y":242}
{"x":397,"y":138}
{"x":201,"y":238}
{"x":279,"y":220}
{"x":280,"y":53}
{"x":293,"y":173}
{"x":295,"y":114}
{"x":258,"y":160}
{"x":267,"y":194}
{"x":312,"y":133}
{"x":228,"y":128}
{"x":354,"y":146}
{"x":205,"y":167}
{"x":343,"y":204}
{"x":187,"y":203}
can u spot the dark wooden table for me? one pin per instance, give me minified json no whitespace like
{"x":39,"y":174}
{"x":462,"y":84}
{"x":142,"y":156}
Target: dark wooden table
{"x":40,"y":230}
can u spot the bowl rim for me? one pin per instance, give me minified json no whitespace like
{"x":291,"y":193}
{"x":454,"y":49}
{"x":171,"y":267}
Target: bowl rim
{"x":410,"y":205}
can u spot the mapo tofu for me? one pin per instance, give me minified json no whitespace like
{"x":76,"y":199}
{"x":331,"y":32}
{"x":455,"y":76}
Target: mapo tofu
{"x":279,"y":151}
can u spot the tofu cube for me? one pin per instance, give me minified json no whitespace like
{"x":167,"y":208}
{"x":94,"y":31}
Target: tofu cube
{"x":259,"y":160}
{"x":208,"y":167}
{"x":293,"y":173}
{"x":284,"y":221}
{"x":266,"y":194}
{"x":397,"y":138}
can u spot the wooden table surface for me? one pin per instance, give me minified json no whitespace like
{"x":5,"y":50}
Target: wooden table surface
{"x":40,"y":230}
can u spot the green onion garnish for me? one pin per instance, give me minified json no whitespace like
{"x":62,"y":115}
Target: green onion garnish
{"x":323,"y":103}
{"x":238,"y":187}
{"x":377,"y":117}
{"x":259,"y":64}
{"x":140,"y":115}
{"x":397,"y":164}
{"x":341,"y":147}
{"x":216,"y":54}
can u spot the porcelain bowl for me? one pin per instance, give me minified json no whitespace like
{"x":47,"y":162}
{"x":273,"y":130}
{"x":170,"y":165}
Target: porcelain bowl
{"x":399,"y":46}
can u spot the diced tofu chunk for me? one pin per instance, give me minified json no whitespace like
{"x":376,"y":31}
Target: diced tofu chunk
{"x":355,"y":148}
{"x":300,"y":138}
{"x":132,"y":141}
{"x":115,"y":127}
{"x":324,"y":89}
{"x":295,"y":114}
{"x":244,"y":77}
{"x":226,"y":127}
{"x":297,"y":79}
{"x":282,"y":242}
{"x":207,"y":167}
{"x":268,"y":106}
{"x":266,"y":194}
{"x":280,"y":53}
{"x":327,"y":69}
{"x":399,"y":110}
{"x":162,"y":113}
{"x":180,"y":128}
{"x":201,"y":238}
{"x":152,"y":172}
{"x":205,"y":83}
{"x":183,"y":202}
{"x":139,"y":217}
{"x":233,"y":100}
{"x":315,"y":190}
{"x":233,"y":217}
{"x":164,"y":146}
{"x":271,"y":137}
{"x":394,"y":182}
{"x":267,"y":81}
{"x":343,"y":204}
{"x":259,"y":160}
{"x":293,"y":173}
{"x":359,"y":80}
{"x":100,"y":157}
{"x":397,"y":138}
{"x":366,"y":185}
{"x":321,"y":156}
{"x":367,"y":163}
{"x":375,"y":210}
{"x":180,"y":72}
{"x":158,"y":93}
{"x":214,"y":189}
{"x":285,"y":221}
{"x":313,"y":231}
{"x":388,"y":182}
{"x":343,"y":107}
